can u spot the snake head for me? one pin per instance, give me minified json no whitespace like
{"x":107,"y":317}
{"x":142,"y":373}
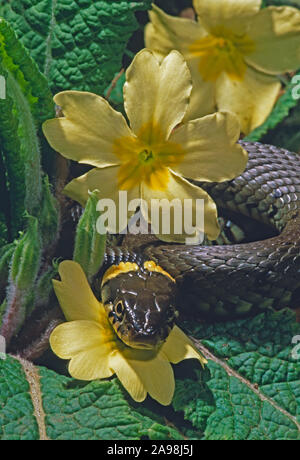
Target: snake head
{"x":141,"y":305}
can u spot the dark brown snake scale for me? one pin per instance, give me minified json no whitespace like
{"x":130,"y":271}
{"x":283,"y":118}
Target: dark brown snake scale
{"x":236,"y":280}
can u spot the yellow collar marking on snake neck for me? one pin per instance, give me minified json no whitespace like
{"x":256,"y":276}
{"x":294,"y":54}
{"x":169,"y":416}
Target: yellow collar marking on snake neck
{"x":125,"y":267}
{"x":116,"y":270}
{"x":152,"y":267}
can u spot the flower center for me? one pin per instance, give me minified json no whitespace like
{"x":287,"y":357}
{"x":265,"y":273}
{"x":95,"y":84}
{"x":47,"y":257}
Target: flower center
{"x":146,"y":158}
{"x":222,"y":51}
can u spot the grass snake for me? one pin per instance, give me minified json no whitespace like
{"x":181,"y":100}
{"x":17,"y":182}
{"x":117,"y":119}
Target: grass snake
{"x":218,"y":281}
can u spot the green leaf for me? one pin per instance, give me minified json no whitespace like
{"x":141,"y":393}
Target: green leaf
{"x":281,"y":110}
{"x":37,"y":403}
{"x":4,"y":205}
{"x":6,"y":253}
{"x":78,"y":44}
{"x":97,"y":410}
{"x":48,"y":216}
{"x":114,"y":93}
{"x":89,"y":243}
{"x":17,"y":421}
{"x":26,"y":258}
{"x":251,"y":388}
{"x":44,"y":286}
{"x":287,"y":133}
{"x":2,"y":310}
{"x":27,"y":104}
{"x":12,"y":161}
{"x":23,"y":271}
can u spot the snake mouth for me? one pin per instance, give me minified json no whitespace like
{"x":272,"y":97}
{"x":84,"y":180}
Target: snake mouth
{"x":142,"y":339}
{"x":145,"y":341}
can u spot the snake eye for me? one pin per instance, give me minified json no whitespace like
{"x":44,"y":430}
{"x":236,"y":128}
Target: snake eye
{"x":119,"y":308}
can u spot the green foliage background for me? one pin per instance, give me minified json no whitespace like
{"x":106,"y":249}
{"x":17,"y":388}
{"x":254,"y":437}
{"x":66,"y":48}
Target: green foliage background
{"x":248,"y":391}
{"x":250,"y":388}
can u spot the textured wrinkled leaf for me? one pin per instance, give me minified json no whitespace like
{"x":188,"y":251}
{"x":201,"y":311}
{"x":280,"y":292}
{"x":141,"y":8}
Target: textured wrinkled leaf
{"x":78,"y":44}
{"x":249,"y":390}
{"x":70,"y":409}
{"x":17,"y":420}
{"x":97,"y":410}
{"x":251,"y":387}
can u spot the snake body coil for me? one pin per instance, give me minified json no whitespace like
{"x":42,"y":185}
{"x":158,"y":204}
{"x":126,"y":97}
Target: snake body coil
{"x":241,"y":279}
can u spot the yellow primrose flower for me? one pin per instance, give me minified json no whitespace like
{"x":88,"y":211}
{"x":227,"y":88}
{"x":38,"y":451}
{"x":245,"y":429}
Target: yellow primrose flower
{"x":150,"y":159}
{"x":95,"y":351}
{"x":234,"y":52}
